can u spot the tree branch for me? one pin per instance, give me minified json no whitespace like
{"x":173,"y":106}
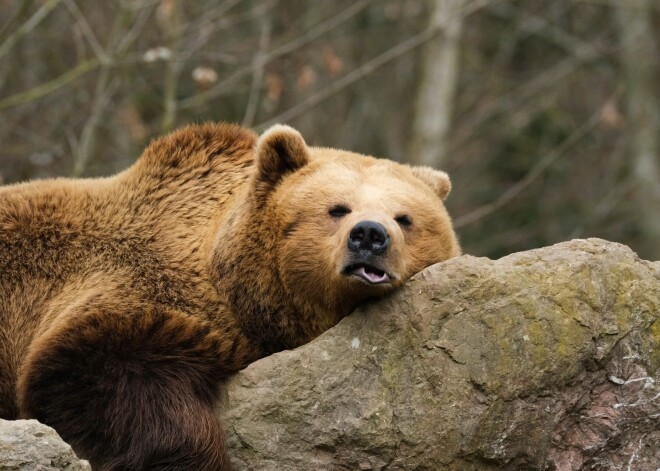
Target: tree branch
{"x":368,"y":67}
{"x":257,"y":77}
{"x":282,"y":50}
{"x":50,"y":86}
{"x":28,"y":26}
{"x":532,"y":175}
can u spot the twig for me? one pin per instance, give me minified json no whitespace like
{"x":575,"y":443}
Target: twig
{"x":172,"y":27}
{"x":616,"y":4}
{"x":257,"y":77}
{"x":319,"y":30}
{"x":284,"y":49}
{"x":213,"y":17}
{"x":86,"y":30}
{"x":367,"y":68}
{"x":526,"y":92}
{"x":102,"y":94}
{"x":137,"y":5}
{"x":28,"y":26}
{"x":137,"y":29}
{"x":533,"y":174}
{"x":197,"y":42}
{"x":88,"y":136}
{"x":17,"y":14}
{"x":50,"y":86}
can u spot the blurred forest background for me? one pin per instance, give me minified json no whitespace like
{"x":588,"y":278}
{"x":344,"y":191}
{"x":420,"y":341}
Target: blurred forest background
{"x":546,"y":114}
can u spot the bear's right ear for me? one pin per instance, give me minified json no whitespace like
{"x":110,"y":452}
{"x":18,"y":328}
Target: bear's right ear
{"x":436,"y":179}
{"x":280,"y":150}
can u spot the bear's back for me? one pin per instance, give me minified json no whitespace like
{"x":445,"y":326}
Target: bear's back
{"x":144,"y":230}
{"x":172,"y":193}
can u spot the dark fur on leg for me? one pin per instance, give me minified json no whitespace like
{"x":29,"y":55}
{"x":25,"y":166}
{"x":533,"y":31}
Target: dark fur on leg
{"x":129,"y":389}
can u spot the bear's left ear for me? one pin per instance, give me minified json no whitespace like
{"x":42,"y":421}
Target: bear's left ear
{"x":436,"y":179}
{"x":280,"y":150}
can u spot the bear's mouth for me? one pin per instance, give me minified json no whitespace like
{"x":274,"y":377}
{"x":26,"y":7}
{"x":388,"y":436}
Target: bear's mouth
{"x":368,"y":273}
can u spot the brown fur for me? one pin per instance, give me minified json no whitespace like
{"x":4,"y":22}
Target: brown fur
{"x":124,"y":301}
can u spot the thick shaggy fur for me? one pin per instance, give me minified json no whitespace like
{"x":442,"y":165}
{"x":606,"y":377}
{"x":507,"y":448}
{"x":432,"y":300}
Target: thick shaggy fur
{"x":125,"y":301}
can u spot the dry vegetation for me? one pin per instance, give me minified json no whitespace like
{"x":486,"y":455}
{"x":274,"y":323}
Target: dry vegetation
{"x":546,"y":114}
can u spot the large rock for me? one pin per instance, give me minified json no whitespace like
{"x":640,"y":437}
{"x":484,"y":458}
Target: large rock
{"x":27,"y":445}
{"x":543,"y":360}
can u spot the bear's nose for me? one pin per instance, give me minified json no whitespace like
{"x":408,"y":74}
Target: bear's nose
{"x":368,"y":236}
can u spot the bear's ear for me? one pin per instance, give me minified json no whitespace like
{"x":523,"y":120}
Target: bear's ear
{"x":280,"y":150}
{"x":436,"y":179}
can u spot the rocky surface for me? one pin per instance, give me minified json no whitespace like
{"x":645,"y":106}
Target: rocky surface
{"x":542,"y":360}
{"x":27,"y":445}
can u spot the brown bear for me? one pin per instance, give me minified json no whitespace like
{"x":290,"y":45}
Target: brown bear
{"x":125,"y":301}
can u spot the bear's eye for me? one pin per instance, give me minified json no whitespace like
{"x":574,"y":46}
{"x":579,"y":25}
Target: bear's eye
{"x":339,"y":211}
{"x":403,"y":220}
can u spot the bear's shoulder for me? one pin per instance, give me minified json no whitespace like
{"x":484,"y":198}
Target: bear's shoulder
{"x":199,"y":145}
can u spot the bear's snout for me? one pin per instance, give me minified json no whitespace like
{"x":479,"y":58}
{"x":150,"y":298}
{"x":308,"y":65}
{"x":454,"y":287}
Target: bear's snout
{"x":368,"y":236}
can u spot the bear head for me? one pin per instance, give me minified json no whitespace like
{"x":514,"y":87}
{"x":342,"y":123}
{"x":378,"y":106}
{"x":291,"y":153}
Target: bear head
{"x":326,"y":229}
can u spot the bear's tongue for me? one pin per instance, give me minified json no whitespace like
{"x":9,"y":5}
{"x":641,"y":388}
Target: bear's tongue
{"x":372,"y":275}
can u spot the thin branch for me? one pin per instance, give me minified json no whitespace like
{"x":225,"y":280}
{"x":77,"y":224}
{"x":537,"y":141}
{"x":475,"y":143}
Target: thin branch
{"x":88,"y":137}
{"x":319,"y":30}
{"x":617,"y":4}
{"x":17,"y":15}
{"x":172,"y":26}
{"x":522,"y":95}
{"x":282,"y":50}
{"x":86,"y":30}
{"x":215,"y":13}
{"x":136,"y":5}
{"x":257,"y":77}
{"x":546,"y":29}
{"x":212,"y":16}
{"x":28,"y":26}
{"x":620,"y":191}
{"x":102,"y":94}
{"x":50,"y":86}
{"x":137,"y":29}
{"x":367,"y":68}
{"x":532,"y":175}
{"x":197,"y":42}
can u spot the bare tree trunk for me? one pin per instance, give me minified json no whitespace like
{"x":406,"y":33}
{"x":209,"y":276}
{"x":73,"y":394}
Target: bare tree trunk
{"x":639,"y":57}
{"x":437,"y":89}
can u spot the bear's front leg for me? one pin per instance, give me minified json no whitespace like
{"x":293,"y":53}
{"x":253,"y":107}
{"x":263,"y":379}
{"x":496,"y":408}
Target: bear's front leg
{"x":129,"y":388}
